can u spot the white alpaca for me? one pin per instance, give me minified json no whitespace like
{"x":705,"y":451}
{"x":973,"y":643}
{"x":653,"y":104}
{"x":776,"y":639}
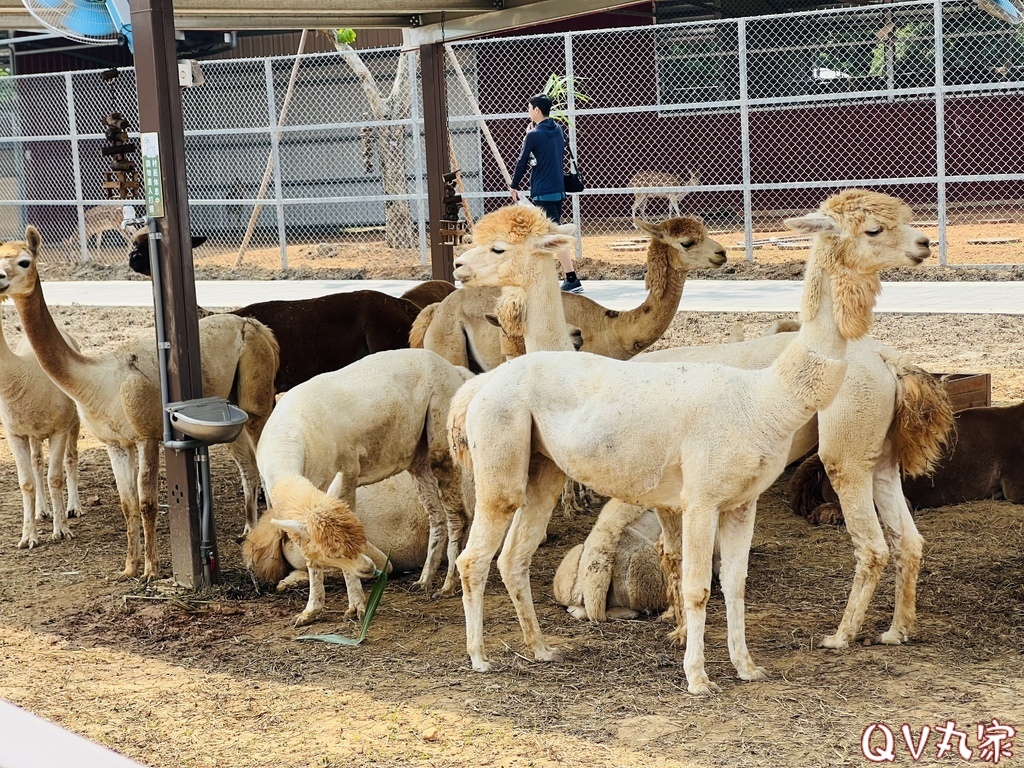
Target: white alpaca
{"x":32,"y":409}
{"x":393,"y":519}
{"x":379,"y":416}
{"x":707,"y":439}
{"x":118,"y":395}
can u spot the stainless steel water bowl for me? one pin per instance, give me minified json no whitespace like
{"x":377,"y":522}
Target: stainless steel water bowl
{"x":208,"y":419}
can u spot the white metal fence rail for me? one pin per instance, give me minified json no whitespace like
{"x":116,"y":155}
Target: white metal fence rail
{"x":739,"y":121}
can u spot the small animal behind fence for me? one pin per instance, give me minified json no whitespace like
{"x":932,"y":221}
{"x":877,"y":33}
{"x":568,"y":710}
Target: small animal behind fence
{"x":659,"y":179}
{"x":98,"y":220}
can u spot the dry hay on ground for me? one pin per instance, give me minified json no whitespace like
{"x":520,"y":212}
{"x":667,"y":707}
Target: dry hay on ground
{"x":216,"y":679}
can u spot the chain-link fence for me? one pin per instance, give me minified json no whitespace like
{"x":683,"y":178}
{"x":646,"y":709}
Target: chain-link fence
{"x":742,"y":122}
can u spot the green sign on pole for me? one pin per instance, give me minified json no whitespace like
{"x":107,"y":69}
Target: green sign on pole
{"x":152,"y":177}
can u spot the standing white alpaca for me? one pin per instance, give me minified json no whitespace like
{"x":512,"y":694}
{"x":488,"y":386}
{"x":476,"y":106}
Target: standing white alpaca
{"x":32,"y":409}
{"x":707,"y":439}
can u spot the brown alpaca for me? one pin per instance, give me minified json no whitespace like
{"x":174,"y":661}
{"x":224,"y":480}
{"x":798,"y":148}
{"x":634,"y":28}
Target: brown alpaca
{"x":118,"y":395}
{"x":986,"y":461}
{"x":428,"y":292}
{"x":457,"y":331}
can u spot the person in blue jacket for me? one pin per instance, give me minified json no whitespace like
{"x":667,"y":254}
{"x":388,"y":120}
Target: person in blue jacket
{"x":543,"y":154}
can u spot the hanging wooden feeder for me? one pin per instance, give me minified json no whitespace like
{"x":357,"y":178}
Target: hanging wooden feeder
{"x":452,"y":228}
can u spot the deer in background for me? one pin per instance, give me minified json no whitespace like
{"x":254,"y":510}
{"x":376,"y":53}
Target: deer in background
{"x":659,"y":179}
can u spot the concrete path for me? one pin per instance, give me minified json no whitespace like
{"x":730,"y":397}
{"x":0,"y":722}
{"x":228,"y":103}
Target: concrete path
{"x":699,"y":295}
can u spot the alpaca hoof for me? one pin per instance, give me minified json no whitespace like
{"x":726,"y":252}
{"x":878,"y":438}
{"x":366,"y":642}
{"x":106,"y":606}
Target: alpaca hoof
{"x":678,"y":636}
{"x":703,"y":688}
{"x":28,"y":542}
{"x":444,"y":592}
{"x":62,"y":533}
{"x":306,"y":618}
{"x":668,"y":617}
{"x":754,"y":674}
{"x":44,"y":514}
{"x":834,"y":642}
{"x":622,"y":614}
{"x":577,"y":612}
{"x":352,"y":612}
{"x":892,"y":637}
{"x":549,"y":654}
{"x":482,"y":666}
{"x":75,"y":512}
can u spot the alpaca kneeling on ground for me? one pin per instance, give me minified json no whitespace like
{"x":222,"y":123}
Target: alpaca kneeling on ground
{"x":701,"y":437}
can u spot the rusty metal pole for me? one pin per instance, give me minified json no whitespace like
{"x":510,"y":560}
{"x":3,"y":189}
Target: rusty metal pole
{"x":435,"y":133}
{"x":156,"y":69}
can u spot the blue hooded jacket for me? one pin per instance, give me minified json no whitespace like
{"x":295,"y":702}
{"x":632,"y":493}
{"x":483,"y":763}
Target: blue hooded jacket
{"x":546,"y":142}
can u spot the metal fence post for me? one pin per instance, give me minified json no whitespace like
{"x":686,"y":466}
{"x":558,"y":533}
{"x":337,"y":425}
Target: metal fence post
{"x":418,"y":159}
{"x":748,"y":213}
{"x":940,"y":133}
{"x":570,"y":110}
{"x":76,"y":166}
{"x":275,"y":152}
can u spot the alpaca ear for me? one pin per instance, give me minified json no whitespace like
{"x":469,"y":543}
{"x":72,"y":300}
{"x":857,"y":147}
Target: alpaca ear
{"x":197,"y":241}
{"x":813,"y":223}
{"x":33,"y":239}
{"x":492,"y":318}
{"x":295,"y":526}
{"x":566,"y":229}
{"x":336,"y":485}
{"x":555,"y":242}
{"x":648,"y":227}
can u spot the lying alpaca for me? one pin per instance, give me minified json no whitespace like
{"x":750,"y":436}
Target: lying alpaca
{"x":32,"y":409}
{"x":705,"y":438}
{"x":326,"y":333}
{"x":393,"y":521}
{"x":368,"y":421}
{"x":456,"y":328}
{"x":985,"y":462}
{"x":118,"y":394}
{"x":616,"y":573}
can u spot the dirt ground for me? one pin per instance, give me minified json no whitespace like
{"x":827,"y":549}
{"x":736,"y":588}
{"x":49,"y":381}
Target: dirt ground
{"x":172,"y":678}
{"x":616,"y":255}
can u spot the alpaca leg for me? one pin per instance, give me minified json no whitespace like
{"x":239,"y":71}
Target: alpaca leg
{"x":244,"y":456}
{"x":671,"y":566}
{"x":39,"y":475}
{"x":637,"y":200}
{"x":907,"y":546}
{"x":74,"y":508}
{"x":852,"y":483}
{"x":490,"y":522}
{"x":735,"y":530}
{"x":55,"y":483}
{"x":673,"y":206}
{"x":22,"y":452}
{"x":356,"y":596}
{"x":121,"y":462}
{"x":529,"y":526}
{"x":148,"y":477}
{"x":430,"y":497}
{"x":315,"y":603}
{"x":450,"y":485}
{"x":698,"y":543}
{"x":294,"y":579}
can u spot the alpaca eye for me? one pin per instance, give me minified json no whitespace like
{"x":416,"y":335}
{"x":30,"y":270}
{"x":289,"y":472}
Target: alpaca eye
{"x":873,"y":232}
{"x":24,"y":263}
{"x":686,"y":243}
{"x":496,"y":249}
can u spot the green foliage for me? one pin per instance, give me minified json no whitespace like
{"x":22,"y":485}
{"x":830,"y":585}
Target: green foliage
{"x":558,"y":88}
{"x":371,"y":608}
{"x":346,"y":36}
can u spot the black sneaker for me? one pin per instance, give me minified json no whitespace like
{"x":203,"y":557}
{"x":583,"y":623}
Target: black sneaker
{"x":572,"y":286}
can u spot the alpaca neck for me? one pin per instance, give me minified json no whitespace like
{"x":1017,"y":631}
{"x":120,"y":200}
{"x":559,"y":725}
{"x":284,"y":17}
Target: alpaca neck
{"x":6,"y":353}
{"x":664,"y":290}
{"x":811,"y":369}
{"x":62,"y":363}
{"x":544,"y":328}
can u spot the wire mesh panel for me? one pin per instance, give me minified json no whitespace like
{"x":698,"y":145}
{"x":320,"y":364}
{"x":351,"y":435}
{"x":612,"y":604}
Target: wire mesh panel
{"x":742,"y":122}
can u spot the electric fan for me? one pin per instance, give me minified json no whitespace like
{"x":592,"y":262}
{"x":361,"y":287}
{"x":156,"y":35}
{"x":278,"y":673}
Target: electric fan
{"x":86,"y":21}
{"x":1010,"y":11}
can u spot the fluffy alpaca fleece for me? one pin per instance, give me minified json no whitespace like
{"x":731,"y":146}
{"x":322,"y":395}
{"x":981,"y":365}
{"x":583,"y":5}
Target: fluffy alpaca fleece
{"x":704,"y":438}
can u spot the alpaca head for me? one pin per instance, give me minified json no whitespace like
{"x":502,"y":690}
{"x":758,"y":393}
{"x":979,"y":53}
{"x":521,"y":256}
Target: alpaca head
{"x":18,"y":276}
{"x":689,"y":246}
{"x":323,"y":526}
{"x":859,"y":233}
{"x":510,"y":236}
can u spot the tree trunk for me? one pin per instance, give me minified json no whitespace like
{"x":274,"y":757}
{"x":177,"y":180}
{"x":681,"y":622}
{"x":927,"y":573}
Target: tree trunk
{"x":398,"y":223}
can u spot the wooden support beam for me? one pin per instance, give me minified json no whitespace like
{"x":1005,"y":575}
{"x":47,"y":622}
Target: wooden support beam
{"x":435,"y":132}
{"x":160,"y":111}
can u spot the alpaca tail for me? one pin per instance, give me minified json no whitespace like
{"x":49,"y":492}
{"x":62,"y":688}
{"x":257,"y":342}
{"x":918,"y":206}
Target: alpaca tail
{"x":418,"y":332}
{"x":257,"y":369}
{"x":458,"y":443}
{"x":263,"y":552}
{"x":922,"y":427}
{"x":811,"y":495}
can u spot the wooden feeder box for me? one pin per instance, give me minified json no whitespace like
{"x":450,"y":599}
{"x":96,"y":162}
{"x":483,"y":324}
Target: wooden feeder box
{"x":967,"y":390}
{"x":122,"y":185}
{"x":452,"y":231}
